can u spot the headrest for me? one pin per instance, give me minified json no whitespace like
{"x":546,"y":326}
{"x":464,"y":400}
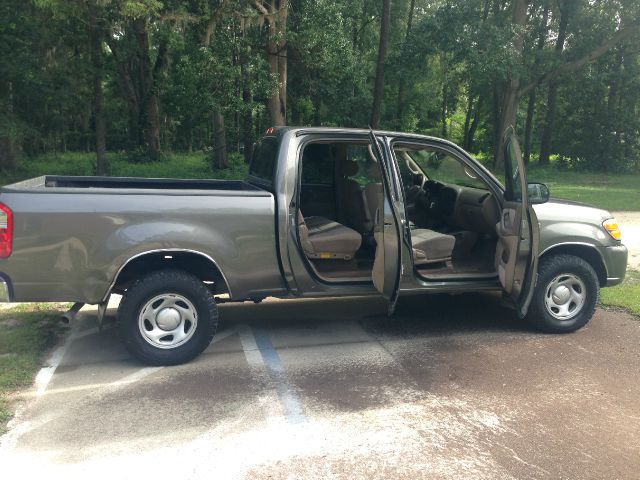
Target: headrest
{"x":348,"y":168}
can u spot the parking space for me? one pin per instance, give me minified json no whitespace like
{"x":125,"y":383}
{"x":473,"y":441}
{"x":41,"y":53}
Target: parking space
{"x":450,"y":387}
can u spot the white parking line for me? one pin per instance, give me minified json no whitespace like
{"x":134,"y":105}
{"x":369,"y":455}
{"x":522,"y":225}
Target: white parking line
{"x":263,"y":358}
{"x":250,"y":348}
{"x":44,"y":375}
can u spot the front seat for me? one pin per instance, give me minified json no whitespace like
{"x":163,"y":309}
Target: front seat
{"x":325,"y":239}
{"x":352,"y":202}
{"x":430,"y":246}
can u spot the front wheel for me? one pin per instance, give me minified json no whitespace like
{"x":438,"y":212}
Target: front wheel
{"x":167,"y":318}
{"x":565,"y":296}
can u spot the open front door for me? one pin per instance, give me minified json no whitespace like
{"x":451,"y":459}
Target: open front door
{"x":518,"y":231}
{"x":386,"y":266}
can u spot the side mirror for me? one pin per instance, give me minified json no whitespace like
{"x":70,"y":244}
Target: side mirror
{"x":538,"y":193}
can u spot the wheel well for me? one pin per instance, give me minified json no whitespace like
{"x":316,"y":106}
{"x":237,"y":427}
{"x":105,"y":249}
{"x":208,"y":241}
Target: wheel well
{"x":196,"y":264}
{"x":588,"y":254}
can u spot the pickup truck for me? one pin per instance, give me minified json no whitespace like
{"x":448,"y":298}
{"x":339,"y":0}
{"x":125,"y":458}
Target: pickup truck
{"x":323,"y":212}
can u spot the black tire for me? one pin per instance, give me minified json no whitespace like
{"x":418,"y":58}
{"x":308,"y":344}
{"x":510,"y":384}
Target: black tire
{"x":550,"y":268}
{"x":177,"y":285}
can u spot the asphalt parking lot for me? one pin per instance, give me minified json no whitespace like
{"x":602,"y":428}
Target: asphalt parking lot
{"x":450,"y":387}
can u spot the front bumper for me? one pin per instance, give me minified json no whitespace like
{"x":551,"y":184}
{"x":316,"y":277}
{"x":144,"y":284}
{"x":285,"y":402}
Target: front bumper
{"x":615,"y":261}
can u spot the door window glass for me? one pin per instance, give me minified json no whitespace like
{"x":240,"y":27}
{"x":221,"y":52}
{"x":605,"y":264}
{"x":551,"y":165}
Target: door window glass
{"x":443,"y":167}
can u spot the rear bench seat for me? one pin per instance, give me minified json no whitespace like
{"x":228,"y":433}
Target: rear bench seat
{"x":325,"y":239}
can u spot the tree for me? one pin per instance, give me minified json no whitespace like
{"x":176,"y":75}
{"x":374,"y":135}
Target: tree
{"x":96,"y":33}
{"x":402,"y":87}
{"x":151,"y":76}
{"x":275,"y":13}
{"x":545,"y":145}
{"x":531,"y":104}
{"x":140,"y":73}
{"x":378,"y":89}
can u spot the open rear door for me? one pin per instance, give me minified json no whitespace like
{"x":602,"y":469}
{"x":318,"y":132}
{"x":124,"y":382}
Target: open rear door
{"x":518,"y":231}
{"x":386,"y":266}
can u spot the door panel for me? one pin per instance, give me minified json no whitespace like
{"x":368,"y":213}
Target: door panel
{"x":386,"y":266}
{"x":518,"y":232}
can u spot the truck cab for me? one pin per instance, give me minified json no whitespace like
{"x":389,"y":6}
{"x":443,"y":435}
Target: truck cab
{"x":362,"y":212}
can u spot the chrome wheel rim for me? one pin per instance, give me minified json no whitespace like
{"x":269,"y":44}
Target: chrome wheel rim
{"x":565,"y":296}
{"x":167,"y":321}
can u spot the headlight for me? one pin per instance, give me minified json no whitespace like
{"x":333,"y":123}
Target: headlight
{"x":611,"y":226}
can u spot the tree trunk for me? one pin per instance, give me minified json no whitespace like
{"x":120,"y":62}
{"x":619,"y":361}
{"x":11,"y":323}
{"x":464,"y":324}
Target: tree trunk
{"x":7,"y":152}
{"x":247,"y":123}
{"x":468,"y":145}
{"x":247,"y":117}
{"x":443,"y":110}
{"x":283,"y":62}
{"x":8,"y":157}
{"x":220,"y":156}
{"x":531,"y":105}
{"x":152,"y":130}
{"x":495,"y":117}
{"x":547,"y":132}
{"x":220,"y":139}
{"x":402,"y":84}
{"x":508,"y":117}
{"x":508,"y":112}
{"x":95,"y":43}
{"x":378,"y":89}
{"x":528,"y":126}
{"x":149,"y":82}
{"x":467,"y":119}
{"x":276,"y":14}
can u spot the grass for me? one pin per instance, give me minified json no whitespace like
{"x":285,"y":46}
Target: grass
{"x":625,"y":295}
{"x":26,"y":332}
{"x":615,"y":192}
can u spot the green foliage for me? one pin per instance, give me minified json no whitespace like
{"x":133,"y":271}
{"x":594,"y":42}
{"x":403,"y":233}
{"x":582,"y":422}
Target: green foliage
{"x":448,"y":73}
{"x":140,"y":8}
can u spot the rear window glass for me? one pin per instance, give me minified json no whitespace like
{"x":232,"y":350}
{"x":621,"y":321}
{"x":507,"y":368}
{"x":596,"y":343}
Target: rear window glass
{"x":263,"y":162}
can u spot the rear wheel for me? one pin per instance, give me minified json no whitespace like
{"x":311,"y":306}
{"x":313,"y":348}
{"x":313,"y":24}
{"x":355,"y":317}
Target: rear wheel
{"x":566,"y":294}
{"x":167,"y":318}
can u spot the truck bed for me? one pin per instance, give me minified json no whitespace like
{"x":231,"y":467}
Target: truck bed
{"x":72,"y":235}
{"x":50,"y":182}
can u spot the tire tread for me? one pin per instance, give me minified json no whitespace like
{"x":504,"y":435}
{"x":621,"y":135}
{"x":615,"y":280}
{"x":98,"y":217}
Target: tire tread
{"x":548,"y":268}
{"x":155,"y":281}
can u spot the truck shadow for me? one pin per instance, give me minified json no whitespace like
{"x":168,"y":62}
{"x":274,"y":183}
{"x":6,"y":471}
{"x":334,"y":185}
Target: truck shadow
{"x":417,"y":315}
{"x":347,"y":355}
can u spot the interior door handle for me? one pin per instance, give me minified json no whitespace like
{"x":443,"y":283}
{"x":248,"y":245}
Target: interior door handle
{"x":506,"y":220}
